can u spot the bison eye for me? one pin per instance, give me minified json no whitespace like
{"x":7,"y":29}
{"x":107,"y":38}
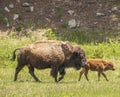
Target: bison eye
{"x":76,"y":54}
{"x":109,"y":65}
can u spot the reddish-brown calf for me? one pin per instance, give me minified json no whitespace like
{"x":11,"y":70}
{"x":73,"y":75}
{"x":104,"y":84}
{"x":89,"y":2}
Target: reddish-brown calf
{"x":98,"y":65}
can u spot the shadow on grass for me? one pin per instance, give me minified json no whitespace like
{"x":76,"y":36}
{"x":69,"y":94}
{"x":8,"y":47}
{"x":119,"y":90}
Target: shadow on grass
{"x":45,"y":82}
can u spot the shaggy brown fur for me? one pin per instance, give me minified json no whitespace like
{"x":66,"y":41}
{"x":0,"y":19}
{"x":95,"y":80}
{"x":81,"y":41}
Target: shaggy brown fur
{"x":97,"y":65}
{"x":49,"y":54}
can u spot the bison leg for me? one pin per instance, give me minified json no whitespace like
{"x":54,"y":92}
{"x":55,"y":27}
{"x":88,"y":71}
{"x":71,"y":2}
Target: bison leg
{"x":18,"y":68}
{"x":31,"y":71}
{"x":62,"y":73}
{"x":104,"y":76}
{"x":54,"y":72}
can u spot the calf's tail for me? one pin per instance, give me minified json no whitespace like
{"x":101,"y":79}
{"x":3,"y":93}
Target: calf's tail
{"x":14,"y":55}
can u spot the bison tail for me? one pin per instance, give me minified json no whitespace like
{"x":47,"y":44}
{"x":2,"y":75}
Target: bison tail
{"x":14,"y":55}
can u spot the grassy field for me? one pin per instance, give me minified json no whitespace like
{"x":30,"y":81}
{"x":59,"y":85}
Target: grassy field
{"x":25,"y":86}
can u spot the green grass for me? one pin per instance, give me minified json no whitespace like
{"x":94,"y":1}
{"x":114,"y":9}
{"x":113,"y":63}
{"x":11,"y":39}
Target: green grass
{"x":82,"y":36}
{"x":25,"y":86}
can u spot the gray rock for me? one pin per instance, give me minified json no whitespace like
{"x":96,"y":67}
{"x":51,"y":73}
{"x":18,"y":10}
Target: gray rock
{"x":31,"y":8}
{"x":72,"y":23}
{"x":109,"y":11}
{"x":6,"y":9}
{"x":18,"y":1}
{"x":114,"y":9}
{"x":114,"y":17}
{"x":99,"y":14}
{"x":118,"y":24}
{"x":16,"y":16}
{"x":100,"y":5}
{"x":11,"y":5}
{"x":26,"y":4}
{"x":6,"y":19}
{"x":70,"y":12}
{"x":48,"y":19}
{"x":7,"y":23}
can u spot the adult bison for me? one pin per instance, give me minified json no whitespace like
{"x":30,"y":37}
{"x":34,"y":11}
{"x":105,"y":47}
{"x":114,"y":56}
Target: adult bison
{"x":56,"y":55}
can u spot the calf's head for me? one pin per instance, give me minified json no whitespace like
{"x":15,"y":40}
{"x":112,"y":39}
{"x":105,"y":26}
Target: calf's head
{"x":79,"y":57}
{"x":109,"y":66}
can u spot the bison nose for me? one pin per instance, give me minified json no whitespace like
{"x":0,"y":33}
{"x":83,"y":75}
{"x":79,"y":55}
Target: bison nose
{"x":113,"y":69}
{"x":84,"y":65}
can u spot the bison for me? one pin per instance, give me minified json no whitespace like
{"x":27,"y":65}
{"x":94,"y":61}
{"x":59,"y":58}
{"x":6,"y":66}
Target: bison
{"x":97,"y":65}
{"x":56,"y":55}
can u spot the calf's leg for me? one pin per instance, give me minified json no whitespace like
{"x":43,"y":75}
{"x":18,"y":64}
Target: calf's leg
{"x":99,"y":75}
{"x":86,"y":74}
{"x":81,"y":73}
{"x":104,"y":76}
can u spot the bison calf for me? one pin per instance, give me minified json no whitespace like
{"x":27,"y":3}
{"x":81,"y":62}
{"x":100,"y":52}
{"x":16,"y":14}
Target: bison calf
{"x":98,"y":65}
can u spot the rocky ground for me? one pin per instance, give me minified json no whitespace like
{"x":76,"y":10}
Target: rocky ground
{"x":60,"y":14}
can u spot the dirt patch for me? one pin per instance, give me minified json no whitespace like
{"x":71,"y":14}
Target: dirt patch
{"x":91,"y":15}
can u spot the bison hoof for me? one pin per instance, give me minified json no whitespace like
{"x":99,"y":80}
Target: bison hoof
{"x":56,"y":81}
{"x":60,"y":79}
{"x":38,"y":81}
{"x":14,"y":80}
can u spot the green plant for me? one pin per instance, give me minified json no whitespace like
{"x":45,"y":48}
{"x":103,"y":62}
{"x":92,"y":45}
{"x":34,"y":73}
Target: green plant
{"x":19,"y":27}
{"x":59,"y":12}
{"x":75,"y":35}
{"x":5,"y":21}
{"x":98,"y":53}
{"x":50,"y":34}
{"x":1,"y":16}
{"x":64,"y":25}
{"x":59,"y":15}
{"x":102,"y":50}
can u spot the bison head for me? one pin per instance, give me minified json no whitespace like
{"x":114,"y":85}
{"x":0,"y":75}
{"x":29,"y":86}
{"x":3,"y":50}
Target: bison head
{"x":109,"y":66}
{"x":78,"y":57}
